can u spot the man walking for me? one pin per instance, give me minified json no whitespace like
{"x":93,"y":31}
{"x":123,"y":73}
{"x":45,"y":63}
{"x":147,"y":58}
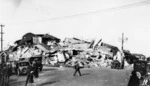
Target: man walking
{"x":77,"y":67}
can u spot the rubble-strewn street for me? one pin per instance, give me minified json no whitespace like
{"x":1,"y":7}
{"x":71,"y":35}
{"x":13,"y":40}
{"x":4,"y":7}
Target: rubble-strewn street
{"x":51,"y":76}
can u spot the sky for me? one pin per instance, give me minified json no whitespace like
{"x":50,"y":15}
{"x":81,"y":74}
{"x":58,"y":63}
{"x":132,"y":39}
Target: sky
{"x":86,"y":19}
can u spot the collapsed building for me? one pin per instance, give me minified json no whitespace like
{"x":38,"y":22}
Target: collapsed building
{"x":57,"y":52}
{"x":34,"y":44}
{"x":92,"y":53}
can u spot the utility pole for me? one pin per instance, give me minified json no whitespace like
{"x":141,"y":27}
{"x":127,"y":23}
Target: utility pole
{"x":123,"y":39}
{"x":2,"y":36}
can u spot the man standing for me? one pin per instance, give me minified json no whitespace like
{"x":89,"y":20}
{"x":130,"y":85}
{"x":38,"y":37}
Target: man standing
{"x":4,"y":76}
{"x":134,"y":79}
{"x":30,"y":71}
{"x":77,"y":67}
{"x":6,"y":72}
{"x":35,"y":66}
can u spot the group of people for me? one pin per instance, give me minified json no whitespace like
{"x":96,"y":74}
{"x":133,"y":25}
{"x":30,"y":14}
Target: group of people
{"x":5,"y":73}
{"x":32,"y":71}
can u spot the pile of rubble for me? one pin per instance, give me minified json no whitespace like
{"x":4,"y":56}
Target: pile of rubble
{"x":91,"y":60}
{"x":56,"y":52}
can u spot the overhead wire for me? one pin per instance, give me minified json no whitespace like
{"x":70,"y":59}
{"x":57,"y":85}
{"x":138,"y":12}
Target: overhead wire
{"x":105,"y":10}
{"x":146,"y":2}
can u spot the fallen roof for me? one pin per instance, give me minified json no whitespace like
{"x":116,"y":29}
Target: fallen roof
{"x":17,"y":42}
{"x":113,"y":48}
{"x":42,"y":47}
{"x":47,"y":36}
{"x":26,"y":38}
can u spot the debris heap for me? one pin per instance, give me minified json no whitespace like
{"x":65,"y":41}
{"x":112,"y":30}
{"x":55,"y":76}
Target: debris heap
{"x":64,"y":53}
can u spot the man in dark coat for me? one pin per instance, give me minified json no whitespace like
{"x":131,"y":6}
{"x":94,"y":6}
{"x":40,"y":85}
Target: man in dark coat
{"x":35,"y":65}
{"x":6,"y":72}
{"x":30,"y":71}
{"x":77,"y":68}
{"x":134,"y":79}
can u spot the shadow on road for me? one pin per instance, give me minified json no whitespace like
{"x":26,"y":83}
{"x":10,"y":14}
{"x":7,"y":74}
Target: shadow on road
{"x":16,"y":83}
{"x":47,"y":83}
{"x":49,"y":69}
{"x":85,"y":74}
{"x":50,"y":74}
{"x":12,"y":80}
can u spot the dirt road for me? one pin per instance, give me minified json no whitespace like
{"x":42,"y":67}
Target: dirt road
{"x":64,"y":77}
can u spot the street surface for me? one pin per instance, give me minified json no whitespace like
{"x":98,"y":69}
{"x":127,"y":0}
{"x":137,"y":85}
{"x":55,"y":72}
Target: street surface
{"x":51,"y":76}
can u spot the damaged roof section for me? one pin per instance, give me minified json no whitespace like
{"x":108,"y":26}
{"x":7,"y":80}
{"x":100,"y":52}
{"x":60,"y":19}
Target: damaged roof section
{"x":28,"y":38}
{"x":75,"y":43}
{"x":48,"y":37}
{"x":108,"y":49}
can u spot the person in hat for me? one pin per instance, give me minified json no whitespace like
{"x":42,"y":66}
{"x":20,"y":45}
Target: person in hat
{"x":6,"y":72}
{"x":134,"y":79}
{"x":77,"y":68}
{"x":35,"y":65}
{"x":30,"y":72}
